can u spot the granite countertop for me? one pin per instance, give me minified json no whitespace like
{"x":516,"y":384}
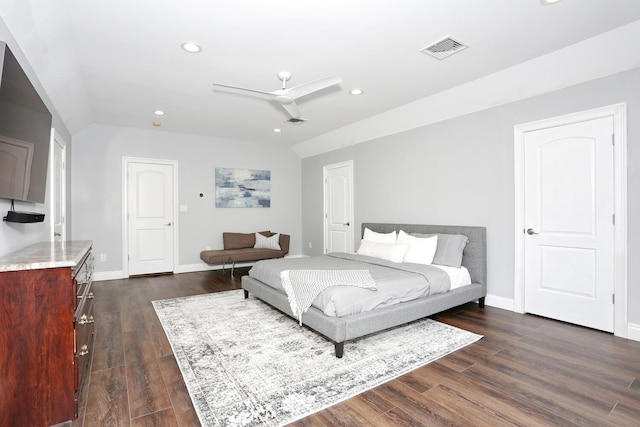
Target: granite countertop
{"x":46,"y":255}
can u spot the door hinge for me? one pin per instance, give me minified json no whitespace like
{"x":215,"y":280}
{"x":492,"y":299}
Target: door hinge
{"x":613,"y":139}
{"x":613,"y":219}
{"x":613,"y":298}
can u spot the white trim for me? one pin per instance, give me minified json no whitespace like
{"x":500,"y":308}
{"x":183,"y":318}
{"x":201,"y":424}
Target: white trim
{"x":56,"y":139}
{"x":325,"y":203}
{"x":108,"y":275}
{"x":619,"y":114}
{"x":633,"y":331}
{"x":500,"y":302}
{"x":125,"y":223}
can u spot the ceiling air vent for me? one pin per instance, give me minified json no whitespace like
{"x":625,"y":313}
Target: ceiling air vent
{"x":297,"y":121}
{"x":443,"y":48}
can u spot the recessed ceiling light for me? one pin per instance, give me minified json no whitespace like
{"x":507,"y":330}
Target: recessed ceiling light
{"x":156,"y":124}
{"x":356,"y":92}
{"x":191,"y":47}
{"x":277,"y":130}
{"x":159,"y":113}
{"x":549,"y":2}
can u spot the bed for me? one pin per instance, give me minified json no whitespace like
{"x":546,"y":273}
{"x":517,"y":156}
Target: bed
{"x":341,"y":328}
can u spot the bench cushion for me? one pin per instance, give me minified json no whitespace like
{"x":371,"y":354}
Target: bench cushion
{"x":229,"y":256}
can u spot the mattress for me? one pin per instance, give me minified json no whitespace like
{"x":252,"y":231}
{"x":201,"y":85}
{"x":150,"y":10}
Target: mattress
{"x":395,"y":282}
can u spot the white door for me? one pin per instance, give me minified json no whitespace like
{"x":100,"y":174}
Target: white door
{"x":569,"y":223}
{"x":338,"y":196}
{"x":150,"y":205}
{"x":59,"y":190}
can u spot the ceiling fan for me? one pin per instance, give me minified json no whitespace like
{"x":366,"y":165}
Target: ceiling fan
{"x":286,"y":97}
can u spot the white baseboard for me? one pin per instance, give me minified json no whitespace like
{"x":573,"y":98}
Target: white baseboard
{"x":117,"y":275}
{"x":633,"y":331}
{"x":192,"y":268}
{"x":108,"y":275}
{"x":500,"y":302}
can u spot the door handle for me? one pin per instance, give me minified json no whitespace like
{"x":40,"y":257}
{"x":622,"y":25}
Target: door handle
{"x":168,"y":224}
{"x":346,"y":223}
{"x":530,"y":231}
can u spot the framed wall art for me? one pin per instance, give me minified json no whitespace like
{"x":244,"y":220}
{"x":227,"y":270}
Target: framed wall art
{"x":243,"y":188}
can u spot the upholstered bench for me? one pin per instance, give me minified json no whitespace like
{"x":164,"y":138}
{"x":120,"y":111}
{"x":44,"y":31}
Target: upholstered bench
{"x":242,"y":247}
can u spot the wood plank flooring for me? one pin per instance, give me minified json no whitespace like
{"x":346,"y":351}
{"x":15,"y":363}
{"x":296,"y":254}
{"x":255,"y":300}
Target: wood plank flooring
{"x":526,"y":371}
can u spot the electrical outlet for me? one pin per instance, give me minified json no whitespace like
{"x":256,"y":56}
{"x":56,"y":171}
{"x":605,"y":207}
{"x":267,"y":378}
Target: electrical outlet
{"x":208,"y":248}
{"x":310,"y":245}
{"x":103,"y":257}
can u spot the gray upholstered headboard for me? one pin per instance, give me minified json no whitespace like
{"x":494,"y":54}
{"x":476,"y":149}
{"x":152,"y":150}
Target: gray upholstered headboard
{"x":474,"y":256}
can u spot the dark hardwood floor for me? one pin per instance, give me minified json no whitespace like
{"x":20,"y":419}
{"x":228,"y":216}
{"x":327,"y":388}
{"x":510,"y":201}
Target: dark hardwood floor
{"x":526,"y":371}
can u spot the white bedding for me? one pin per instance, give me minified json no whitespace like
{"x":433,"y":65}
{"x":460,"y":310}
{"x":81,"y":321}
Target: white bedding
{"x":393,"y":285}
{"x":459,"y":276}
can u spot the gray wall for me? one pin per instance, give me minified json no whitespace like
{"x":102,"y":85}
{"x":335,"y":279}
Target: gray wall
{"x":461,"y":171}
{"x":96,"y":179}
{"x":15,"y":236}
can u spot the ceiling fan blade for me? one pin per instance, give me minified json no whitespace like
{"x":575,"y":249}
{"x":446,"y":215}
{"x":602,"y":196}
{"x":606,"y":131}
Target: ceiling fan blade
{"x":314,"y":86}
{"x":244,"y":91}
{"x":292,"y":109}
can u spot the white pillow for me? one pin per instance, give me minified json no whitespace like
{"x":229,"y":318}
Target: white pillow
{"x":263,"y":242}
{"x":389,"y":251}
{"x":372,"y":236}
{"x":421,"y":250}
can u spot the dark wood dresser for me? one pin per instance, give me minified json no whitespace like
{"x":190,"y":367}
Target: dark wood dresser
{"x":46,"y":332}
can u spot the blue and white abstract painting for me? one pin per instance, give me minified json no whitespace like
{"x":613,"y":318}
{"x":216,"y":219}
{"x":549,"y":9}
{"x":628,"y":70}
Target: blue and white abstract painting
{"x":243,"y":188}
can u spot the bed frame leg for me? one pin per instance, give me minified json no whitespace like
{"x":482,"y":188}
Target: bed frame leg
{"x":481,"y":302}
{"x":246,"y":293}
{"x":339,"y":349}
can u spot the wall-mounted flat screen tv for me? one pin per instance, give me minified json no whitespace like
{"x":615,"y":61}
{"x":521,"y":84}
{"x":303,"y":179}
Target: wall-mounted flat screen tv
{"x":25,"y":133}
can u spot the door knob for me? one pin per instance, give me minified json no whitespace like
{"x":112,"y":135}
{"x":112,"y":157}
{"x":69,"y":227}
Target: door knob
{"x":530,"y":231}
{"x":346,"y":223}
{"x":168,"y":224}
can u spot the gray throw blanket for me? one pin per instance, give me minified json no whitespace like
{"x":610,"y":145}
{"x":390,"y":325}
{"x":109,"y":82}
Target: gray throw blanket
{"x":303,"y":286}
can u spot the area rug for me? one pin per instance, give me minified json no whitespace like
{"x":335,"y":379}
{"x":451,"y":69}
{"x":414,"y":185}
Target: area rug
{"x":247,"y":364}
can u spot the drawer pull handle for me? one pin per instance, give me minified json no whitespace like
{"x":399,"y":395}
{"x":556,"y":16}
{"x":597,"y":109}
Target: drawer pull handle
{"x":84,"y":350}
{"x":90,"y":295}
{"x":85,"y":320}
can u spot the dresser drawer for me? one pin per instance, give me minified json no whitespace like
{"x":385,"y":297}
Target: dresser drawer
{"x":83,"y":334}
{"x":83,"y":277}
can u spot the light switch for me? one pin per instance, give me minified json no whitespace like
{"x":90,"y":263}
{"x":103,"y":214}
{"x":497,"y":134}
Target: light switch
{"x":184,"y":208}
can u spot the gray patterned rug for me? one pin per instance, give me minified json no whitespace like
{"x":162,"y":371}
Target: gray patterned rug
{"x":247,"y":364}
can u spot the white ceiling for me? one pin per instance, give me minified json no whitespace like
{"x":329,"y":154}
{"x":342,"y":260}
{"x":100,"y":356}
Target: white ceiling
{"x":115,"y":62}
